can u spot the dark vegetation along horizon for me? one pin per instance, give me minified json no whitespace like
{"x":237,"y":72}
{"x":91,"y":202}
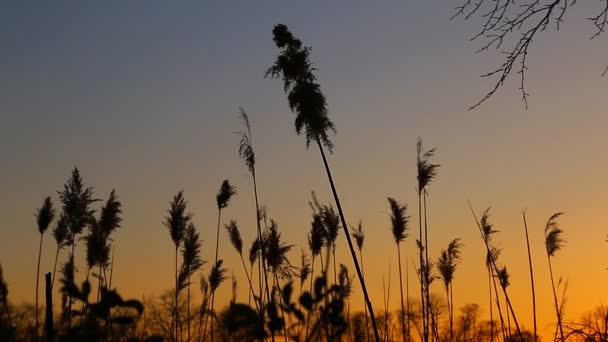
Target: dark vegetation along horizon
{"x":304,"y":300}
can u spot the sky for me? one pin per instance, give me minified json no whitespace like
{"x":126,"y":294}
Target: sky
{"x":143,"y":97}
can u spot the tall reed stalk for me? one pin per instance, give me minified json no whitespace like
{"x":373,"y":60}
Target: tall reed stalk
{"x":44,"y":217}
{"x":309,"y":104}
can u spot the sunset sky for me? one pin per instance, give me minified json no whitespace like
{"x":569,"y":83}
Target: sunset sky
{"x":143,"y":97}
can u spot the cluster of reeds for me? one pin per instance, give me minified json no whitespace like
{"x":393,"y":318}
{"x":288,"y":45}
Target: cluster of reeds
{"x":321,"y":309}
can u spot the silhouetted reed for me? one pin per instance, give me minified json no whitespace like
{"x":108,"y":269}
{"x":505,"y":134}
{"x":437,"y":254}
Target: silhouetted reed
{"x":399,"y":227}
{"x":246,"y":152}
{"x":192,"y":262}
{"x":309,"y":104}
{"x":553,"y":243}
{"x":76,"y":200}
{"x":44,"y":217}
{"x":426,"y":173}
{"x":485,"y":229}
{"x":60,"y":233}
{"x":237,"y":243}
{"x":447,"y":263}
{"x":176,"y":222}
{"x":531,"y":276}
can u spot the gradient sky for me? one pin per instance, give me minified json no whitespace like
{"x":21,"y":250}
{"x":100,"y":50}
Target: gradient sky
{"x":143,"y":97}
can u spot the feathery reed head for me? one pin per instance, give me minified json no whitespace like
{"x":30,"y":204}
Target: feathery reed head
{"x":344,"y":281}
{"x":225,"y":194}
{"x":487,"y":229}
{"x":110,"y":218}
{"x":331,"y":222}
{"x":61,"y":232}
{"x":76,"y":200}
{"x":275,"y":252}
{"x":553,"y":235}
{"x":426,"y":171}
{"x":359,"y":235}
{"x":217,"y":275}
{"x":191,"y":255}
{"x":304,"y":94}
{"x":235,"y":236}
{"x":399,"y":219}
{"x":45,"y":215}
{"x":448,"y":260}
{"x":256,"y":245}
{"x":503,"y":277}
{"x":246,"y":144}
{"x":178,"y":219}
{"x":191,"y":251}
{"x":98,"y":249}
{"x":316,"y":237}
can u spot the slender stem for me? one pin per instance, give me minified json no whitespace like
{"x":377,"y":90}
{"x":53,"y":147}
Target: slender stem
{"x":491,"y":305}
{"x":176,"y":286}
{"x":217,"y":244}
{"x":276,"y":281}
{"x":364,"y":307}
{"x":493,"y":264}
{"x":249,"y":280}
{"x":531,"y":275}
{"x":350,"y":244}
{"x":557,"y":309}
{"x":333,"y":254}
{"x":502,"y":321}
{"x":428,"y":270}
{"x":450,"y":311}
{"x":407,"y":299}
{"x":37,"y":281}
{"x":70,"y":296}
{"x":312,"y":276}
{"x":261,"y":262}
{"x":55,"y":266}
{"x":402,"y":313}
{"x":188,"y":308}
{"x":425,"y":335}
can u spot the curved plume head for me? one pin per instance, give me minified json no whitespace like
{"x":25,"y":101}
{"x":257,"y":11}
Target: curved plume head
{"x":217,"y":275}
{"x":235,"y":236}
{"x":275,"y":252}
{"x":246,"y":144}
{"x":448,"y":261}
{"x":225,"y":194}
{"x":45,"y":215}
{"x":191,"y":255}
{"x":98,"y":248}
{"x":487,"y":229}
{"x":110,"y":218}
{"x":553,"y":235}
{"x":427,"y":171}
{"x":331,"y":223}
{"x":304,"y":94}
{"x":61,"y":232}
{"x":399,"y":219}
{"x":359,"y":235}
{"x":178,"y":219}
{"x":256,"y":246}
{"x":345,"y":282}
{"x":503,"y":277}
{"x":316,"y":237}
